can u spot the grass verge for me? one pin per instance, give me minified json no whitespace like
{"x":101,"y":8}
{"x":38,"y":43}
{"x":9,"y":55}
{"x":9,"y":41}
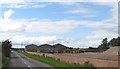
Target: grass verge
{"x":5,"y":61}
{"x":57,"y":63}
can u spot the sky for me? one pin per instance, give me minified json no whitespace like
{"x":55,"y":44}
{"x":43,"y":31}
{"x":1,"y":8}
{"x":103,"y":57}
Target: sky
{"x":75,"y":23}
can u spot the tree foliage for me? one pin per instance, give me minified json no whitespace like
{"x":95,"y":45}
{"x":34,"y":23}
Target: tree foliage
{"x":113,"y":42}
{"x":104,"y":44}
{"x":6,"y":45}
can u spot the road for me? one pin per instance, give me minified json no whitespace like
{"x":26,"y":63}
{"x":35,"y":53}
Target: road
{"x":20,"y":61}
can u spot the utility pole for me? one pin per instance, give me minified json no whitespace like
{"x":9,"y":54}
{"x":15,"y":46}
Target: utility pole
{"x":21,"y":45}
{"x":53,"y":41}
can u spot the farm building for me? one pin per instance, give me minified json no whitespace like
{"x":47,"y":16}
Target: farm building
{"x":31,"y":47}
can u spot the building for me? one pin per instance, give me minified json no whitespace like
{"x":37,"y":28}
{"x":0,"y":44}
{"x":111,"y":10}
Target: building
{"x":46,"y":48}
{"x":31,"y":47}
{"x":59,"y":48}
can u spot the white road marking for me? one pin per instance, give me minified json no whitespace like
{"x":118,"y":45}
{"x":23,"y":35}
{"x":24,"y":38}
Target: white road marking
{"x":22,"y":60}
{"x":29,"y":66}
{"x":26,"y":64}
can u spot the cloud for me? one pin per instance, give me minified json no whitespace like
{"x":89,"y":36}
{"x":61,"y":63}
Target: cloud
{"x":78,"y":11}
{"x":33,"y":40}
{"x":14,"y":5}
{"x":11,"y":1}
{"x":23,"y":4}
{"x":101,"y":30}
{"x":76,"y":0}
{"x":8,"y":14}
{"x":42,"y":25}
{"x":58,"y":27}
{"x":84,"y":11}
{"x":22,"y":1}
{"x":32,"y":3}
{"x":108,"y":25}
{"x":39,"y":6}
{"x":9,"y":25}
{"x":105,"y":28}
{"x":103,"y":1}
{"x":97,"y":36}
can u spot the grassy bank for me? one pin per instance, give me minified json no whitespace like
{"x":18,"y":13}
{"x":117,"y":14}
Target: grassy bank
{"x":5,"y":61}
{"x":57,"y":63}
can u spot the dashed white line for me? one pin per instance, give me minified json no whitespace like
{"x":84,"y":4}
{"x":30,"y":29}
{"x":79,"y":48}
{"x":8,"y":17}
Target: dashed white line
{"x":29,"y":66}
{"x":23,"y":60}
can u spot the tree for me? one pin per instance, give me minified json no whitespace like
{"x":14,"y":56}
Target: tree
{"x":114,"y":42}
{"x":104,"y":44}
{"x":6,"y":46}
{"x":118,"y":41}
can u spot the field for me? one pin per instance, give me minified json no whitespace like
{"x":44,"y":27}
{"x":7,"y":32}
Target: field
{"x":57,"y":63}
{"x":106,"y":59}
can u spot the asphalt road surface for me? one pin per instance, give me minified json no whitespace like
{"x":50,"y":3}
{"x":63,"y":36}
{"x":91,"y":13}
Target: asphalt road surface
{"x":19,"y":61}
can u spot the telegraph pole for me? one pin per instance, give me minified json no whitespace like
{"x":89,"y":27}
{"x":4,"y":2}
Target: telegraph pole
{"x":53,"y":41}
{"x":21,"y":45}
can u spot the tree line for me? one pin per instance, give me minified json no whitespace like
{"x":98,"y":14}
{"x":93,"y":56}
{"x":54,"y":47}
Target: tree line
{"x":105,"y":44}
{"x":113,"y":42}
